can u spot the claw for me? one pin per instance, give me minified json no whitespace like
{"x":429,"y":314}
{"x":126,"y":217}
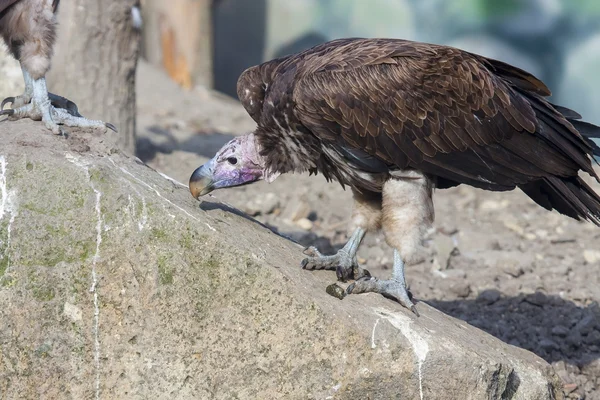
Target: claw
{"x":343,"y":274}
{"x":10,"y":100}
{"x":111,"y":127}
{"x":414,"y":310}
{"x":304,"y":263}
{"x":8,"y":112}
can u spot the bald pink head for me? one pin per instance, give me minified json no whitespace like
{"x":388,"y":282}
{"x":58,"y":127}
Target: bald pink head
{"x":237,"y":163}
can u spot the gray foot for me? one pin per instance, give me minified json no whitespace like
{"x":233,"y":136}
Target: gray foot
{"x":394,"y":288}
{"x":40,"y":108}
{"x":390,"y":288}
{"x":56,"y":101}
{"x":345,"y":265}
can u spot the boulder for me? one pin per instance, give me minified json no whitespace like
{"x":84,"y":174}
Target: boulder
{"x":115,"y":283}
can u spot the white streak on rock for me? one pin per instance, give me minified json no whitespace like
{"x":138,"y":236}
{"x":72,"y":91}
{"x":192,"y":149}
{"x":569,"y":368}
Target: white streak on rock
{"x":175,"y":181}
{"x":7,"y":206}
{"x":93,"y":289}
{"x":144,"y":218}
{"x":373,"y":345}
{"x":164,"y":198}
{"x":417,"y":341}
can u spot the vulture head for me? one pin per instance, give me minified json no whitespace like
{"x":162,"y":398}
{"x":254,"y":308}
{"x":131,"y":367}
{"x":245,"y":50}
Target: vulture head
{"x":237,"y":163}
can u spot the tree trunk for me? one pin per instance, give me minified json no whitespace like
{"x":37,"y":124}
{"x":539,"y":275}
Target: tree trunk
{"x":95,"y":60}
{"x":178,"y":38}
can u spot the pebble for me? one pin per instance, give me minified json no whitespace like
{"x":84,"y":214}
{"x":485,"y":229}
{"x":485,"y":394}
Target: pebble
{"x":548,"y":345}
{"x":586,"y":325}
{"x":262,"y":205}
{"x":591,"y":256}
{"x":336,"y":291}
{"x":512,"y":267}
{"x":489,"y":296}
{"x":560,"y":331}
{"x":460,"y":289}
{"x":537,"y":298}
{"x":305,"y":224}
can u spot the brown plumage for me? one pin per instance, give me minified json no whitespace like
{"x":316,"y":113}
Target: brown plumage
{"x":28,"y":28}
{"x":394,"y":118}
{"x":456,"y":116}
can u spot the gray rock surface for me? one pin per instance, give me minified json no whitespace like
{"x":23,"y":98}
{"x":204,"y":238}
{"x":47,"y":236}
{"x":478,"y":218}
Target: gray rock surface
{"x":115,"y":283}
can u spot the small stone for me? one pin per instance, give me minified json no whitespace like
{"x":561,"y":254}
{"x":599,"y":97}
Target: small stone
{"x":461,"y":289}
{"x":592,"y":368}
{"x":548,"y":345}
{"x":512,"y":267}
{"x":530,"y":236}
{"x":73,"y":312}
{"x":574,"y":339}
{"x":591,"y":256}
{"x":513,"y":226}
{"x":295,"y":209}
{"x":593,"y":338}
{"x":586,"y":325}
{"x":336,"y":291}
{"x":489,"y":296}
{"x":537,"y":298}
{"x":262,"y":205}
{"x":305,"y":224}
{"x":492,"y":205}
{"x":560,"y":331}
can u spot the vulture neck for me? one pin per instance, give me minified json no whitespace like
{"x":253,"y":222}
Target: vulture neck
{"x":286,"y":150}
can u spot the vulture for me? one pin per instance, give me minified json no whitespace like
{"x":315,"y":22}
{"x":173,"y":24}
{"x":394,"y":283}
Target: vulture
{"x":28,"y":28}
{"x":394,"y":119}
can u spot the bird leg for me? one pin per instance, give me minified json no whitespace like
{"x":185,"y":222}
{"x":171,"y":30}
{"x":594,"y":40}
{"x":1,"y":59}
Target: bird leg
{"x":344,"y":261}
{"x":394,"y":288}
{"x":40,"y":107}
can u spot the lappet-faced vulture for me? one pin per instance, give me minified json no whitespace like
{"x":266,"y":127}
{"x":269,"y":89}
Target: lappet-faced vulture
{"x":29,"y":30}
{"x":394,"y":119}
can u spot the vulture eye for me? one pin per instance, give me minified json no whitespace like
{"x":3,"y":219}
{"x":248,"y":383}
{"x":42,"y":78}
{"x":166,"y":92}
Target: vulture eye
{"x":232,"y":160}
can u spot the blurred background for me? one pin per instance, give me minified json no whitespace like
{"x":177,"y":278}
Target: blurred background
{"x":556,"y":40}
{"x":165,"y":73}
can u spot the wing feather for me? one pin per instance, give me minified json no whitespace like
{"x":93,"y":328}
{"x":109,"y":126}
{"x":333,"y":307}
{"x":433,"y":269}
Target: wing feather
{"x":447,"y":112}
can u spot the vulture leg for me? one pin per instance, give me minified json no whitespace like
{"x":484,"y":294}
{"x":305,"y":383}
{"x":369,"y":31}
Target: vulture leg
{"x":344,"y":261}
{"x":394,"y":288}
{"x":28,"y":28}
{"x":407,"y":215}
{"x":366,"y":216}
{"x":40,"y":108}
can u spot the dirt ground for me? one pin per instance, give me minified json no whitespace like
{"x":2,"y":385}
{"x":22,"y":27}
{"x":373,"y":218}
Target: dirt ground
{"x":496,"y":260}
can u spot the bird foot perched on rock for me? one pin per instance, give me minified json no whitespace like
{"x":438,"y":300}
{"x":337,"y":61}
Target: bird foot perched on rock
{"x":38,"y":104}
{"x":344,"y":261}
{"x":345,"y":265}
{"x":394,"y":288}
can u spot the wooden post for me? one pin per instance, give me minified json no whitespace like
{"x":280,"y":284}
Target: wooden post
{"x":95,"y":60}
{"x":178,"y":38}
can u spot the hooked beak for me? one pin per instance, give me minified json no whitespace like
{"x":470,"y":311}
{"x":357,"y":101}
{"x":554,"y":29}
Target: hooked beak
{"x":201,"y":181}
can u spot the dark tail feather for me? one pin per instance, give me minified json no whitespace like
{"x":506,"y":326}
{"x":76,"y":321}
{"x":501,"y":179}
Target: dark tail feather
{"x":569,"y":196}
{"x":589,"y":132}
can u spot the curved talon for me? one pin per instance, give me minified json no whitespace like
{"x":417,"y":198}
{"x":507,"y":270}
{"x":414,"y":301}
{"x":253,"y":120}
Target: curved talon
{"x":8,"y":112}
{"x":414,"y":310}
{"x":111,"y":127}
{"x":10,"y":100}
